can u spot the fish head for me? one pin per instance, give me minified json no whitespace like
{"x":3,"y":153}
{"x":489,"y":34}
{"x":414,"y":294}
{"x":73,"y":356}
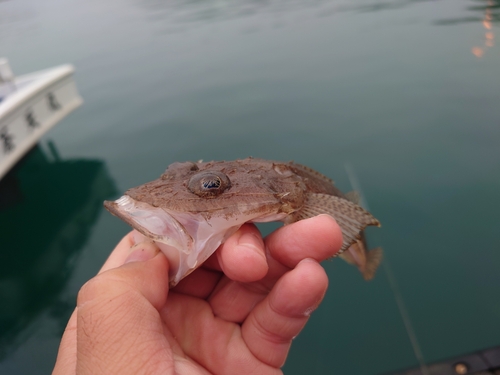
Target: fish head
{"x":194,"y":207}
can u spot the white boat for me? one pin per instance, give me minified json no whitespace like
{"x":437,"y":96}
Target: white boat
{"x":30,"y":105}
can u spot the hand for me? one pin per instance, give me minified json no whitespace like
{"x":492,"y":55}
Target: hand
{"x":238,"y":313}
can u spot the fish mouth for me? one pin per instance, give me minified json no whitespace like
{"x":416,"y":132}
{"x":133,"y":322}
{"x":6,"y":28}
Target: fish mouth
{"x":165,"y":230}
{"x":186,"y":238}
{"x":151,"y":221}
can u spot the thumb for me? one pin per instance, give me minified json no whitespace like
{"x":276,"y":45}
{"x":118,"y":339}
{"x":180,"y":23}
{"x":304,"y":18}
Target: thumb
{"x":117,"y":315}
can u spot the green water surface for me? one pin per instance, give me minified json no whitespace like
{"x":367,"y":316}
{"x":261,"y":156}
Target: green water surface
{"x":406,"y":92}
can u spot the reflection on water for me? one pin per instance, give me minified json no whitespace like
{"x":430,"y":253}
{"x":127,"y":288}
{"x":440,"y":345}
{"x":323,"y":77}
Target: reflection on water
{"x":488,"y":9}
{"x":53,"y":205}
{"x":489,"y":14}
{"x":489,"y":36}
{"x":196,"y":10}
{"x":211,"y":10}
{"x":190,"y":12}
{"x":193,"y":11}
{"x":370,"y":6}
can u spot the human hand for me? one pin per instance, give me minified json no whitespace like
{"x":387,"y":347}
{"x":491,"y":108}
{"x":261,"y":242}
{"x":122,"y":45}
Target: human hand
{"x":238,"y":313}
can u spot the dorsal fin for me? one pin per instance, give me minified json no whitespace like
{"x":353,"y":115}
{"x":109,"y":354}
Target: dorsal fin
{"x":315,"y":181}
{"x":309,"y":171}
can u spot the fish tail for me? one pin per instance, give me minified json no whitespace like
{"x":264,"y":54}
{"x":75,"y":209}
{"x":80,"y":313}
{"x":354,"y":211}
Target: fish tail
{"x":373,"y":259}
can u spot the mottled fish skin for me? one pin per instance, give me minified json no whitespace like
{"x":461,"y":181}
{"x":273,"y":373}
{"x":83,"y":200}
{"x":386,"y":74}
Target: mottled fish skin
{"x":262,"y":190}
{"x":254,"y":183}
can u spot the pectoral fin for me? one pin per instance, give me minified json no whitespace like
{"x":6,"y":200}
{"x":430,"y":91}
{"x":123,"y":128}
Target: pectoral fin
{"x":355,"y":254}
{"x":373,"y":259}
{"x":351,"y":218}
{"x":366,"y":261}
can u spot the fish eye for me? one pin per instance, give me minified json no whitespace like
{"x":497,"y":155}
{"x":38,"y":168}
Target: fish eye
{"x":209,"y":184}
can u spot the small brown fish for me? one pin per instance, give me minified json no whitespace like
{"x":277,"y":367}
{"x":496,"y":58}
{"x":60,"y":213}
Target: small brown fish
{"x":194,"y":207}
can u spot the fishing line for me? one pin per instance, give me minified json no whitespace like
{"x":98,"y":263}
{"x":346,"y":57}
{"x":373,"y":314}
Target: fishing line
{"x":392,"y":281}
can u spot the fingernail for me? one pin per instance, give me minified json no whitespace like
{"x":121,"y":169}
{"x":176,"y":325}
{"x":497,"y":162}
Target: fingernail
{"x":308,"y":260}
{"x":137,"y":237}
{"x":328,"y":216}
{"x":141,"y":253}
{"x":251,"y":241}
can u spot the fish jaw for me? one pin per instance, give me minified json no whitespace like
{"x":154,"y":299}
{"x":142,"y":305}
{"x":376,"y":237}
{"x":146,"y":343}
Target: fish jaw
{"x":151,"y":221}
{"x":186,"y":238}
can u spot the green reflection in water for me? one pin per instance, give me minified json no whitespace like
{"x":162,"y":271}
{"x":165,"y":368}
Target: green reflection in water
{"x":49,"y":207}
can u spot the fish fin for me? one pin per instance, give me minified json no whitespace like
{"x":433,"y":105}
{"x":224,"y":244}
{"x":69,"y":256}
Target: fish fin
{"x":353,"y":196}
{"x":315,"y":182}
{"x":302,"y":170}
{"x":373,"y":259}
{"x":351,"y":218}
{"x":346,"y":255}
{"x":355,"y":254}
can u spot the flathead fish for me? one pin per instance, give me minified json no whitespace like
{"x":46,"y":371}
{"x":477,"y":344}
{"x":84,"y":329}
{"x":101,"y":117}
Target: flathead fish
{"x":194,"y":207}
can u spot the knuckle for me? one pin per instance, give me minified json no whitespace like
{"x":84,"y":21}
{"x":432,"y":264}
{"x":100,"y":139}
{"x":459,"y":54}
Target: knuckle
{"x":92,"y":289}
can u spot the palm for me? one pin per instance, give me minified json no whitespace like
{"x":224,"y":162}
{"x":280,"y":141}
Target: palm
{"x":202,"y":343}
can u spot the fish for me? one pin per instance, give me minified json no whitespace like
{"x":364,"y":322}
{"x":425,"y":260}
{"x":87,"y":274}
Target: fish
{"x":193,"y":207}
